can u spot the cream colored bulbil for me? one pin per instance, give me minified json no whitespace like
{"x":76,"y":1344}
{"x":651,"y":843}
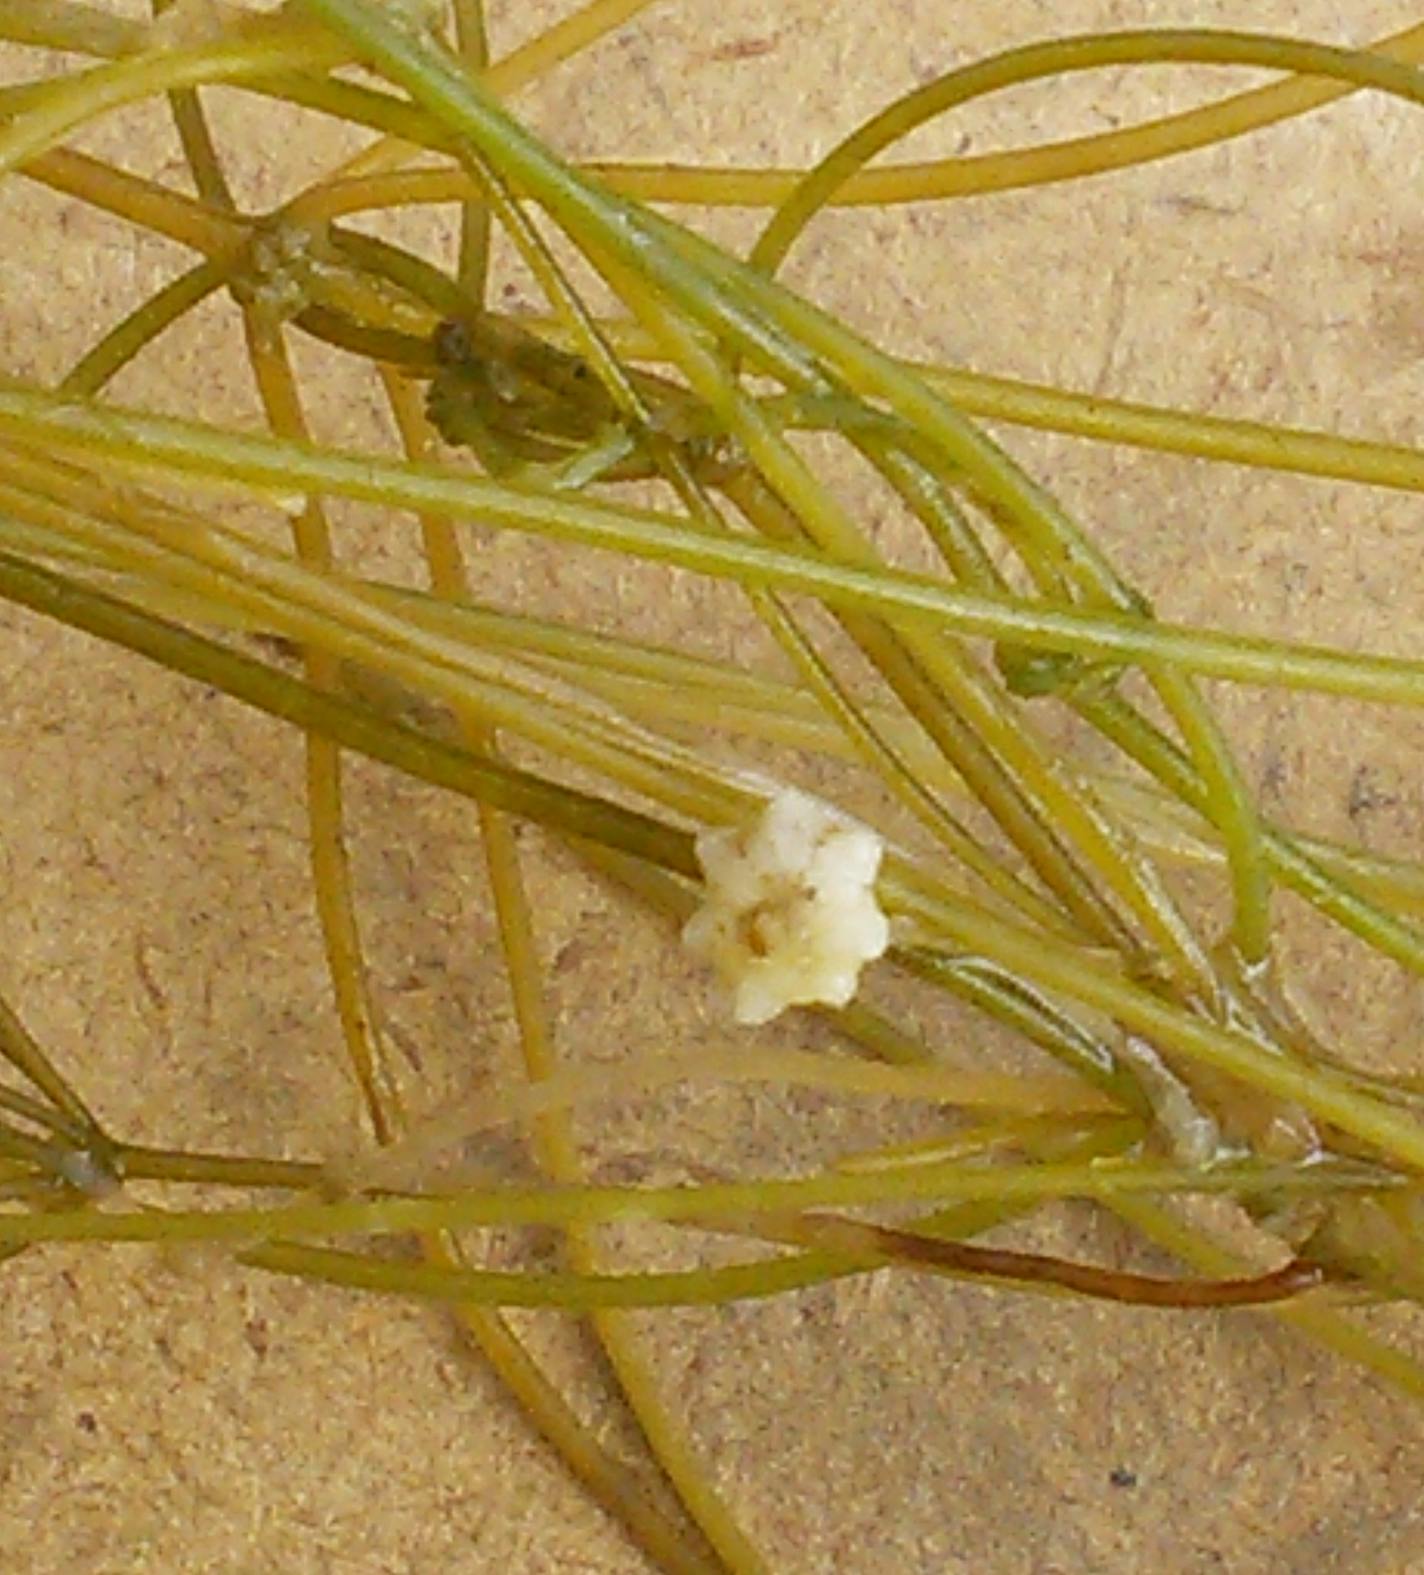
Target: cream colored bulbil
{"x":789,"y":914}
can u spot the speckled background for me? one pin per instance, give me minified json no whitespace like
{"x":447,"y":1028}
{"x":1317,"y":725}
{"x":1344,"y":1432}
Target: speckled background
{"x":165,"y":1413}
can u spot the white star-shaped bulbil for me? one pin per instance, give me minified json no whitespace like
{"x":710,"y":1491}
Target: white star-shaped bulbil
{"x":789,"y":915}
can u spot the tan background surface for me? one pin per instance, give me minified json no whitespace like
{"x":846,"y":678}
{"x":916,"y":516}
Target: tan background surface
{"x":166,"y":1414}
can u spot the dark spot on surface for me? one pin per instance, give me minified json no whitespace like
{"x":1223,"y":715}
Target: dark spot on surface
{"x":255,"y":1330}
{"x":1121,"y":1477}
{"x":1366,"y":794}
{"x":1273,"y":771}
{"x":744,"y":48}
{"x":87,"y":1422}
{"x":573,"y":954}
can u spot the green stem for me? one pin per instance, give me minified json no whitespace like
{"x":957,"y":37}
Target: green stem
{"x":1061,"y":57}
{"x":23,"y":1051}
{"x":565,"y":1206}
{"x":141,"y":327}
{"x":355,"y":727}
{"x":576,"y":1292}
{"x":65,"y":25}
{"x":74,"y":100}
{"x":180,"y":447}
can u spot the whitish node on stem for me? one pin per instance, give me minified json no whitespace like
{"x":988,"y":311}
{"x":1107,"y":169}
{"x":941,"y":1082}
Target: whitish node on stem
{"x":789,"y":915}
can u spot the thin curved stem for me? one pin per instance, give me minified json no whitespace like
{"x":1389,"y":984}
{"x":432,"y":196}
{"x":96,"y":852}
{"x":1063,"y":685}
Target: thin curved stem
{"x":1060,"y":57}
{"x":73,"y":101}
{"x":104,"y":360}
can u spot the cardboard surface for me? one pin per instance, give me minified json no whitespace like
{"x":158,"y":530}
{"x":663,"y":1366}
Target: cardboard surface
{"x":169,"y":1412}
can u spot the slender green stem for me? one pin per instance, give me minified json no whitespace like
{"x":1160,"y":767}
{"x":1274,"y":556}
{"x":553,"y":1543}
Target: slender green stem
{"x":1326,"y":1095}
{"x":23,"y":1051}
{"x":138,"y":1162}
{"x":1323,"y":876}
{"x":578,"y":1292}
{"x":66,"y":25}
{"x":142,"y":326}
{"x":1060,"y":57}
{"x":939,"y":1184}
{"x":188,"y":448}
{"x":1222,"y":438}
{"x":169,"y":213}
{"x":355,"y":727}
{"x":472,"y":39}
{"x":72,"y":101}
{"x":979,"y":174}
